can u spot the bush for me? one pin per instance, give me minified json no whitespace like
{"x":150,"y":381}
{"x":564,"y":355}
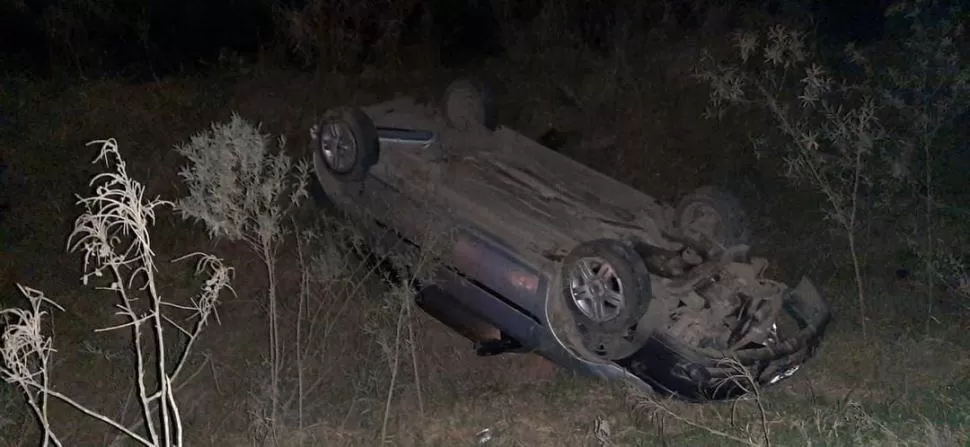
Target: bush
{"x":242,"y":190}
{"x":864,"y":128}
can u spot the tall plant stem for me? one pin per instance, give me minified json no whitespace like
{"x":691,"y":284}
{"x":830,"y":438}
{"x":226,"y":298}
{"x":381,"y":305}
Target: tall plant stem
{"x":274,"y":337}
{"x":930,"y":252}
{"x":850,"y":231}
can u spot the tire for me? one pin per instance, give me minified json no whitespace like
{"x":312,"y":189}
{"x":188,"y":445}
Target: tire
{"x":347,"y":143}
{"x":725,"y":223}
{"x":616,"y":267}
{"x":469,"y":104}
{"x":318,"y":194}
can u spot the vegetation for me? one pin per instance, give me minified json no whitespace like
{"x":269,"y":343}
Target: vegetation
{"x":856,"y":179}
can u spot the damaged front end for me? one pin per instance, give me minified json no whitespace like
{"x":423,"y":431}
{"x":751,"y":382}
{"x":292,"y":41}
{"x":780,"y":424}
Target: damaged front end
{"x":722,"y":328}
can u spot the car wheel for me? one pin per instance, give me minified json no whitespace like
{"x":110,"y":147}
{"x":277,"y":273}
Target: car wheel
{"x":469,"y":104}
{"x":606,"y":287}
{"x":318,"y":194}
{"x":713,"y":216}
{"x":347,"y":143}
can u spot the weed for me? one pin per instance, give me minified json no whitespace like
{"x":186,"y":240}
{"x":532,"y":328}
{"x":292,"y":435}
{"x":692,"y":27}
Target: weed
{"x":854,"y":137}
{"x":113,"y":233}
{"x":830,"y":131}
{"x":243,"y":192}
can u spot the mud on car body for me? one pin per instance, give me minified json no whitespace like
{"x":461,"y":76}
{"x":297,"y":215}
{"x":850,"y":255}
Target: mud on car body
{"x":548,"y":256}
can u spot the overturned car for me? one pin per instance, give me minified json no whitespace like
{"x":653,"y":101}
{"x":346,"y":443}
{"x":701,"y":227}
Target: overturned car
{"x":542,"y":254}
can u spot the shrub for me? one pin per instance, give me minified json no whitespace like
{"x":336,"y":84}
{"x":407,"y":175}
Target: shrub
{"x":828,"y":133}
{"x":243,"y":191}
{"x":855,"y":126}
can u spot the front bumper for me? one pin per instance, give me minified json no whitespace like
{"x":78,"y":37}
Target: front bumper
{"x":675,"y":368}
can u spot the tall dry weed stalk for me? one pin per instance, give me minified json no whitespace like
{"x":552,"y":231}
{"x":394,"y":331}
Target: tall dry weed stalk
{"x":408,"y":269}
{"x":332,"y":283}
{"x":243,"y":190}
{"x":413,"y":268}
{"x":113,"y":233}
{"x":829,"y":133}
{"x":734,"y":428}
{"x":864,"y":132}
{"x":928,"y":94}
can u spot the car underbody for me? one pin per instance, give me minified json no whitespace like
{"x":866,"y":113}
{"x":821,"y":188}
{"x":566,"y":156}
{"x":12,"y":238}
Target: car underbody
{"x":539,"y":253}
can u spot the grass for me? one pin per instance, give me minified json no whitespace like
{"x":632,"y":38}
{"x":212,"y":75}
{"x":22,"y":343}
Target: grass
{"x":901,"y":386}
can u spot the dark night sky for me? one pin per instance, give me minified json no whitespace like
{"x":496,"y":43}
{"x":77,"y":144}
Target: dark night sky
{"x":181,"y":32}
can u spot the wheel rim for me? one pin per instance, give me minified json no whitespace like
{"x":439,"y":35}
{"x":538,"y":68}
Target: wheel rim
{"x":338,"y":146}
{"x":595,"y":289}
{"x":703,"y":219}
